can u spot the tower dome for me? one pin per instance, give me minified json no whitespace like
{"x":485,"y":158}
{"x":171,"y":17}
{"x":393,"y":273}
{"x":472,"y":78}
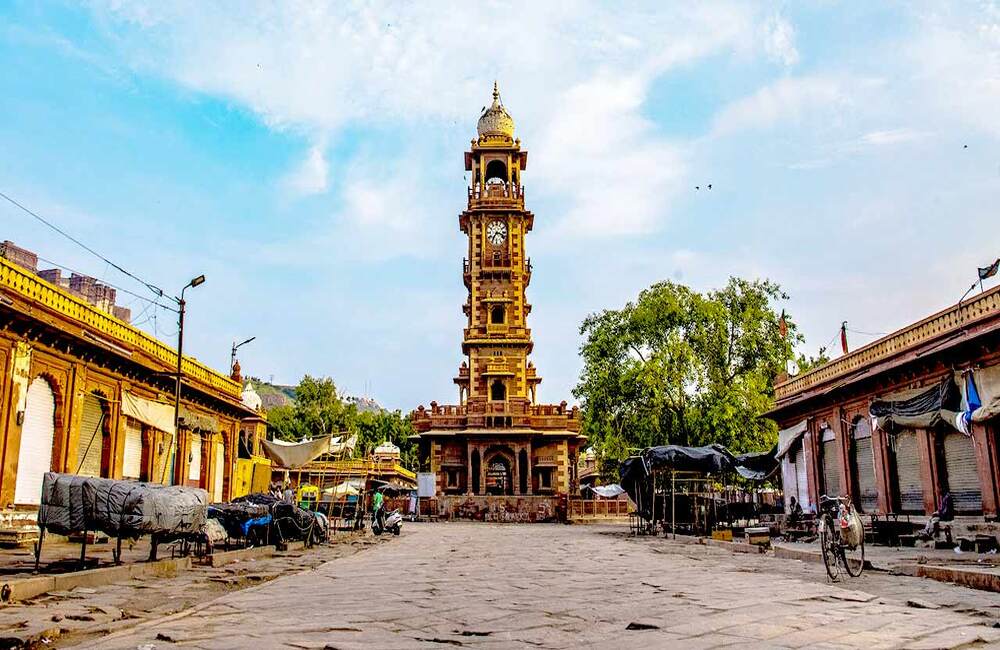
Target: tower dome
{"x":495,"y":120}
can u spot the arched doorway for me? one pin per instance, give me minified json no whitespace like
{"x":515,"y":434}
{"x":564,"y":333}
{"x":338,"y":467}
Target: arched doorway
{"x":498,"y":391}
{"x":34,"y":457}
{"x":499,"y":476}
{"x":475,"y":471}
{"x":496,"y":172}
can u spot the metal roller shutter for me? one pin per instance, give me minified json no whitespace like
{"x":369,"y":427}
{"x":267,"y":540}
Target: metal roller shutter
{"x":194,"y":469}
{"x":220,"y":462}
{"x":801,"y":480}
{"x":864,"y":464}
{"x":908,"y":483}
{"x":963,"y":477}
{"x":132,"y":462}
{"x":34,"y":458}
{"x":88,"y":455}
{"x":831,"y":468}
{"x":163,"y":472}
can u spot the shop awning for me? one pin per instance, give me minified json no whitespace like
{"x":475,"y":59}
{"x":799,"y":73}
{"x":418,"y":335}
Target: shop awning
{"x":788,"y":437}
{"x":296,"y":454}
{"x":919,"y":408}
{"x":155,"y":414}
{"x":198,"y":422}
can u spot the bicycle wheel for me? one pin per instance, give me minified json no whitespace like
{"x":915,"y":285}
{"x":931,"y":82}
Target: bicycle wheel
{"x":829,"y":543}
{"x":854,"y":560}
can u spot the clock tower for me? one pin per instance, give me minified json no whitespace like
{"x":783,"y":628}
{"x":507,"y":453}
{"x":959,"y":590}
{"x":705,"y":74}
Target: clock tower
{"x":497,"y":441}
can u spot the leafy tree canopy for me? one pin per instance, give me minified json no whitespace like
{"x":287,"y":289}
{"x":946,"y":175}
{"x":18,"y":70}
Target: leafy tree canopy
{"x":682,"y":367}
{"x":319,"y":410}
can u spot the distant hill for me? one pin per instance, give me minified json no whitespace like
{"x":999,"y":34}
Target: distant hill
{"x":364,"y":404}
{"x":272,"y":395}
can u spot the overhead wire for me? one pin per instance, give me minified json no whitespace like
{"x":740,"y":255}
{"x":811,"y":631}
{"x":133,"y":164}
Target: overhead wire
{"x":152,"y":287}
{"x":113,"y":286}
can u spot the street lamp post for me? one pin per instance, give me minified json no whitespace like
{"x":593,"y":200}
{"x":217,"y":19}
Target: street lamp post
{"x":237,"y":346}
{"x":180,"y":356}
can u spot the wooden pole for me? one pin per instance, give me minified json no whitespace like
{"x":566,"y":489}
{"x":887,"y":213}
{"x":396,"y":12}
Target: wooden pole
{"x":673,"y":503}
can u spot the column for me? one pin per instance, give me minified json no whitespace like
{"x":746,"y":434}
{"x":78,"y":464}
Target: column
{"x":882,"y":460}
{"x":986,"y":464}
{"x":468,"y":468}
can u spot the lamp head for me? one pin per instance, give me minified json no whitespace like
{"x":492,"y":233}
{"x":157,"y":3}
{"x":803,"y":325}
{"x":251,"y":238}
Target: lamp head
{"x":198,"y":280}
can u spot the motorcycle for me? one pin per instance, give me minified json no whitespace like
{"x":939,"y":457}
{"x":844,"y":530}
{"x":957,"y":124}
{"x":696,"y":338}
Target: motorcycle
{"x":393,"y":523}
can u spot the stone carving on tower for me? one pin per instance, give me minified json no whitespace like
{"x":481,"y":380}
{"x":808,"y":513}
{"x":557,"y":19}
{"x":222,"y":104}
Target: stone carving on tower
{"x":497,"y":441}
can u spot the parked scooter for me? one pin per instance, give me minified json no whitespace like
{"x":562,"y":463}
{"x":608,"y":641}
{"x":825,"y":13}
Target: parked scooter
{"x":393,"y":524}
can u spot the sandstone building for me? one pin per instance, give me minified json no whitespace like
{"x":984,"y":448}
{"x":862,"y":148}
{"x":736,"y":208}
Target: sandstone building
{"x":497,"y":453}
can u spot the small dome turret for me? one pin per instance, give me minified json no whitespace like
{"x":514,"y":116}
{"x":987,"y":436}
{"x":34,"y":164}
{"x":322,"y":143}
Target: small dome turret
{"x":496,"y":122}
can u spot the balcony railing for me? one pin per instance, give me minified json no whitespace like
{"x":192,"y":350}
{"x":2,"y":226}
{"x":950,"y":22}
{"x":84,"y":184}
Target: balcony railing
{"x":94,"y":321}
{"x":518,"y":414}
{"x":945,"y":323}
{"x":496,"y":194}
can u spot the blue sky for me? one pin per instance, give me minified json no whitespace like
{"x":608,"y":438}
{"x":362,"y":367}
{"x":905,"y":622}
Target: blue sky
{"x":307,"y":158}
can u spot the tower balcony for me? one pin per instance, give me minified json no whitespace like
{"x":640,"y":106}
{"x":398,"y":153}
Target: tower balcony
{"x":497,"y":265}
{"x":496,"y":195}
{"x":491,"y":331}
{"x":518,"y":414}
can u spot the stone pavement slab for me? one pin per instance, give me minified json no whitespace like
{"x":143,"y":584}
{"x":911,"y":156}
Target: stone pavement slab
{"x":552,"y":586}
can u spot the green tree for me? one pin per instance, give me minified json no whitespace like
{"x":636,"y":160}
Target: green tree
{"x":375,"y":427}
{"x":681,"y":367}
{"x":319,"y":410}
{"x":805,"y":364}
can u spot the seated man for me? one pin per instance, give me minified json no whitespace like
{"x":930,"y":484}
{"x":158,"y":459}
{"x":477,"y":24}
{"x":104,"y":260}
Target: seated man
{"x":945,"y":512}
{"x":794,"y":511}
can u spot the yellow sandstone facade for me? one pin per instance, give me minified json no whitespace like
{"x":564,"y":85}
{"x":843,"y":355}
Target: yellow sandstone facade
{"x":497,"y":440}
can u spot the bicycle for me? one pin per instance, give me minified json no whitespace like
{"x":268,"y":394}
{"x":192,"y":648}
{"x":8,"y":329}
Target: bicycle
{"x":841,"y":537}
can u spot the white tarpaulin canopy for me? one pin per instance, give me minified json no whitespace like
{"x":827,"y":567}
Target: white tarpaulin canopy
{"x":156,"y":414}
{"x":350,"y":488}
{"x":292,"y":455}
{"x":787,"y":437}
{"x":608,"y":491}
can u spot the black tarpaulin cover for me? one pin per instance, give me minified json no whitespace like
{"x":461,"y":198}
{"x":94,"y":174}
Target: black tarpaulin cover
{"x":290,"y":521}
{"x":919,"y":407}
{"x":711,"y":459}
{"x":72,"y":503}
{"x":635,"y":473}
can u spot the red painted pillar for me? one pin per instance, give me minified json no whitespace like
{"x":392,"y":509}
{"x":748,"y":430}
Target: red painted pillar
{"x":883,"y":470}
{"x":986,"y":465}
{"x":843,"y":433}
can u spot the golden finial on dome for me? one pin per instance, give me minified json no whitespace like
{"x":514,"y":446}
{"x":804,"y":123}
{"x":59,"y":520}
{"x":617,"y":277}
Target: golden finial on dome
{"x":496,"y":122}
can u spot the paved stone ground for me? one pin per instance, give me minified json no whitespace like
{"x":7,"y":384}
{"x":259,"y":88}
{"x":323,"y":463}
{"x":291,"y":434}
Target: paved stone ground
{"x":551,"y":586}
{"x":62,"y":619}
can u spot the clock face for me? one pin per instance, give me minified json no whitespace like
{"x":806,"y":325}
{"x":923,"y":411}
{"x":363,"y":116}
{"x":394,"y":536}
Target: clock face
{"x":496,"y":232}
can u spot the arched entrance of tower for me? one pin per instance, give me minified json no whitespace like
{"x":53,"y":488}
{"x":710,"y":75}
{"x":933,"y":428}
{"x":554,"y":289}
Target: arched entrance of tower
{"x":496,"y":172}
{"x":499,"y":472}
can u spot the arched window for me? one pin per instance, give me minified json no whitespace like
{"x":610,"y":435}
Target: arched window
{"x":497,"y":313}
{"x":498,"y":392}
{"x":496,"y":172}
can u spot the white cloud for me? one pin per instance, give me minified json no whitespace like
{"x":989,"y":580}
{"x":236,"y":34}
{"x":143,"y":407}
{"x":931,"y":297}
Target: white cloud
{"x":787,"y":101}
{"x":576,"y":78}
{"x":779,"y":40}
{"x":955,"y":62}
{"x":312,"y":175}
{"x":891,"y":137}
